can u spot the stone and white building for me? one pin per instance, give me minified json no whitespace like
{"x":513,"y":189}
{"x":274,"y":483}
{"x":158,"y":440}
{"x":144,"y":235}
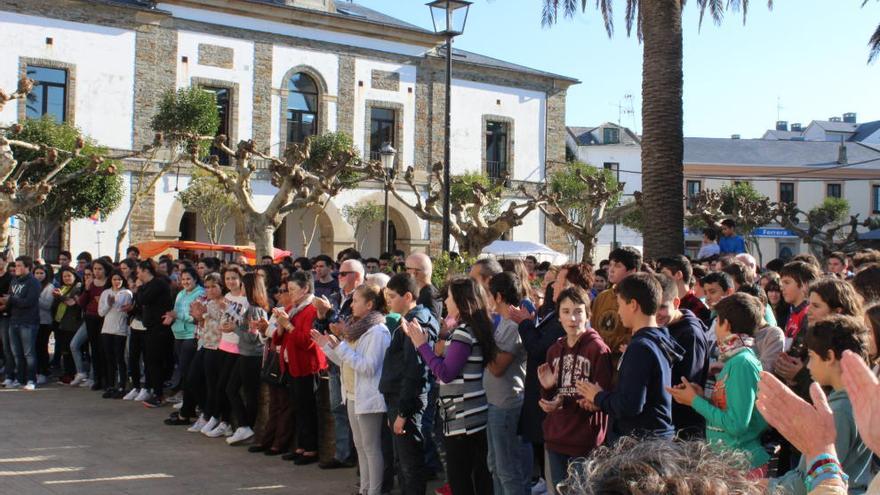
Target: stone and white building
{"x":282,"y":70}
{"x":838,"y":158}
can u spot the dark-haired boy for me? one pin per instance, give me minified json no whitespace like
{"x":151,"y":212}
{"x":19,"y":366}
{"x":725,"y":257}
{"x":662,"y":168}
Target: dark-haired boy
{"x":680,"y":269}
{"x":729,"y":241}
{"x":794,"y":281}
{"x":622,"y":262}
{"x":640,"y":404}
{"x":404,"y":383}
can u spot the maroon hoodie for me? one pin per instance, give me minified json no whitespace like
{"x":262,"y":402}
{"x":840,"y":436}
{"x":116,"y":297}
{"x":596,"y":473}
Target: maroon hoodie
{"x":574,"y":431}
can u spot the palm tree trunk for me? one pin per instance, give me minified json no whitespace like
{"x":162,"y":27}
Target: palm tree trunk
{"x":662,"y":134}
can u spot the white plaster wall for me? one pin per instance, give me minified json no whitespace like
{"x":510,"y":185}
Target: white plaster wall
{"x":285,"y":58}
{"x":242,"y":71}
{"x":104,"y":60}
{"x":290,"y":30}
{"x":85,"y":234}
{"x":363,"y":72}
{"x":472,"y":100}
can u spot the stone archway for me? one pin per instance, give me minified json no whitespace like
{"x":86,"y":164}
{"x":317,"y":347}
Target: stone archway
{"x":410,"y":235}
{"x":333,"y":233}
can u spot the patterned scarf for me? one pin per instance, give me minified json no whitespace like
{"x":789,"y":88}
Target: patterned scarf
{"x":357,"y":327}
{"x":733,"y":345}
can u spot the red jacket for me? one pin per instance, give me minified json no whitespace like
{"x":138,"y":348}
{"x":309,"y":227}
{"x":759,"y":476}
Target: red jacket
{"x":300,"y":355}
{"x":573,"y":430}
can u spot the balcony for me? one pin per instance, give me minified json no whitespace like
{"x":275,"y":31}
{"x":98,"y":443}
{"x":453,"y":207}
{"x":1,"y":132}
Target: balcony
{"x":497,"y":171}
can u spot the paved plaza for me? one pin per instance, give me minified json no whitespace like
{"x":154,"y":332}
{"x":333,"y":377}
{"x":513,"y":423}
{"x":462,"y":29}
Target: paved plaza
{"x":71,"y":441}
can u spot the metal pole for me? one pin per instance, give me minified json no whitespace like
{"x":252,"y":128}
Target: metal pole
{"x":387,"y":226}
{"x":447,"y":144}
{"x":614,"y":239}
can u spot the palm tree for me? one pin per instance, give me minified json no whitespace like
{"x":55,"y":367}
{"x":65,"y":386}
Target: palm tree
{"x":874,"y":42}
{"x":658,"y":27}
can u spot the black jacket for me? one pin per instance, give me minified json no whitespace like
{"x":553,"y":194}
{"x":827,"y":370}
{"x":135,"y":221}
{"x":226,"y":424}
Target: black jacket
{"x":154,"y":299}
{"x":537,"y":340}
{"x":690,"y":333}
{"x":404,"y":380}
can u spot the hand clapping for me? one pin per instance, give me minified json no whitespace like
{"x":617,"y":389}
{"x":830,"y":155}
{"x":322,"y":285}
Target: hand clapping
{"x":414,"y":331}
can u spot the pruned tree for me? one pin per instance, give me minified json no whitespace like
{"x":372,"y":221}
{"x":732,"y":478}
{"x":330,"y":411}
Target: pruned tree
{"x":80,"y":197}
{"x":740,"y":202}
{"x":211,"y":202}
{"x":308,"y":175}
{"x":581,"y":199}
{"x":182,"y":114}
{"x":360,"y":215}
{"x":827,"y":227}
{"x":477,"y":216}
{"x":30,"y":171}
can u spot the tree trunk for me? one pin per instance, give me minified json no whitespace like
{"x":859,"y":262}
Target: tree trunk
{"x":662,"y":133}
{"x":589,"y":245}
{"x":263,"y":235}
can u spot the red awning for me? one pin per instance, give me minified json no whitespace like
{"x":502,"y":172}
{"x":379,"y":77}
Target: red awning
{"x":150,"y":249}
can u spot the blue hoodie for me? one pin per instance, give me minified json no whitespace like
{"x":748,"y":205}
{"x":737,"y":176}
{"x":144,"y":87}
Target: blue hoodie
{"x":690,"y":333}
{"x":24,"y":301}
{"x":640,"y":405}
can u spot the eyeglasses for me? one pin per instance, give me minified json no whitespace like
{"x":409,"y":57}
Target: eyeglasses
{"x":413,"y":269}
{"x":342,"y":274}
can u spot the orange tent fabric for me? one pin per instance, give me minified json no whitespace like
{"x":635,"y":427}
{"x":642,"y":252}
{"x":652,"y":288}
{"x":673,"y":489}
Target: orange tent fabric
{"x":150,"y":249}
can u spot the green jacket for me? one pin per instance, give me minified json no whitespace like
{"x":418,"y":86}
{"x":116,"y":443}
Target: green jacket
{"x":854,"y":456}
{"x":731,"y":417}
{"x":184,"y":327}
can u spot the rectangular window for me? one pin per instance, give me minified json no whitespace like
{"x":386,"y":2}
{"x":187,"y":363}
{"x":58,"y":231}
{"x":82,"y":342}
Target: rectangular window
{"x":222,"y":95}
{"x":875,"y":198}
{"x":612,"y":166}
{"x":49,"y":96}
{"x":610,"y":135}
{"x":694,"y":187}
{"x":382,"y":126}
{"x":496,"y":149}
{"x":786,"y":192}
{"x":833,"y":190}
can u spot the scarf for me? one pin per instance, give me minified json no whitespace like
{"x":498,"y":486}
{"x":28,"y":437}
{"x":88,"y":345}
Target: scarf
{"x":62,"y":307}
{"x":301,"y":306}
{"x":357,"y":328}
{"x":733,"y":345}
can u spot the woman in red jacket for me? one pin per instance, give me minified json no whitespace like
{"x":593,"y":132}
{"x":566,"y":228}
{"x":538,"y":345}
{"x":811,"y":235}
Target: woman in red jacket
{"x":302,"y":360}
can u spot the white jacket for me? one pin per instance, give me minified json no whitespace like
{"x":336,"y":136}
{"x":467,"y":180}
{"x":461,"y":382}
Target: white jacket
{"x":366,"y":359}
{"x":115,"y":321}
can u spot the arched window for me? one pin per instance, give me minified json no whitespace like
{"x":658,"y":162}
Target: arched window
{"x":302,"y":108}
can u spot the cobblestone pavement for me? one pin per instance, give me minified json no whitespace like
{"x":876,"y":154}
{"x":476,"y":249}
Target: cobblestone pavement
{"x":61,"y":440}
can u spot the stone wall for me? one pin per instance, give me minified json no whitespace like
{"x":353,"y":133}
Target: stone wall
{"x":345,"y":95}
{"x":155,"y":72}
{"x":262,"y":113}
{"x":388,"y":81}
{"x":554,"y":236}
{"x":142,"y":226}
{"x":215,"y":56}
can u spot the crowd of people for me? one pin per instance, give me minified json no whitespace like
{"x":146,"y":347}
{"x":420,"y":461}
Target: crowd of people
{"x":518,"y":377}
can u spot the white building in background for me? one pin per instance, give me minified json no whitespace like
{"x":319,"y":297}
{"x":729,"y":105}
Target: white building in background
{"x":834,"y":158}
{"x":282,"y":70}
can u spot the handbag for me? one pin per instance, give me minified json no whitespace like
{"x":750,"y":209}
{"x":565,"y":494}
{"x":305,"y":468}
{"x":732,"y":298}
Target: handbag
{"x":271,"y":372}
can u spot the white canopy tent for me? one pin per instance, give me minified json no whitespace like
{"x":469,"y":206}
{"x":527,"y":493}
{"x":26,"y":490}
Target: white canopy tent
{"x":521,"y":249}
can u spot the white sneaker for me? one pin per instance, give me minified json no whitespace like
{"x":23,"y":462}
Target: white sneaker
{"x":222,"y":429}
{"x":210,"y":425}
{"x":87,"y":384}
{"x":198,"y":425}
{"x":41,"y":379}
{"x":241,"y":434}
{"x":131,"y":394}
{"x":176,"y":398}
{"x":7,"y":383}
{"x":15,"y":384}
{"x":540,"y":487}
{"x":178,"y":406}
{"x":143,"y":395}
{"x":30,"y":386}
{"x":78,"y":379}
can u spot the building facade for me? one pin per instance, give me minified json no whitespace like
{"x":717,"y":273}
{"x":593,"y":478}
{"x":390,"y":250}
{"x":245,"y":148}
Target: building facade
{"x":282,"y":70}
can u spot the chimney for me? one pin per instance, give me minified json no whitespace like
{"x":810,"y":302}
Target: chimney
{"x":781,"y":125}
{"x":849,"y":117}
{"x":734,"y":136}
{"x":797,"y":127}
{"x":841,"y":152}
{"x":834,"y":119}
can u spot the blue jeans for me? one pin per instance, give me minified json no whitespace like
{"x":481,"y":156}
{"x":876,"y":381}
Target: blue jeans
{"x":80,"y":338}
{"x":506,"y":452}
{"x":24,"y":345}
{"x":432,"y":459}
{"x":8,"y":355}
{"x":341,"y":428}
{"x":559,"y":464}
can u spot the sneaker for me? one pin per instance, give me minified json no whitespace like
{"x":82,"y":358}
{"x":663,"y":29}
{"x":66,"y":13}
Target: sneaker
{"x":41,"y":379}
{"x":108,"y":394}
{"x":198,"y":425}
{"x":143,"y":395}
{"x":241,"y":434}
{"x":210,"y":425}
{"x":131,"y":395}
{"x":87,"y":384}
{"x":78,"y":379}
{"x":153,"y":402}
{"x":222,"y":429}
{"x":7,"y":383}
{"x":30,"y":386}
{"x":443,"y":490}
{"x":177,"y":406}
{"x":176,"y":398}
{"x":540,"y":487}
{"x":15,"y":384}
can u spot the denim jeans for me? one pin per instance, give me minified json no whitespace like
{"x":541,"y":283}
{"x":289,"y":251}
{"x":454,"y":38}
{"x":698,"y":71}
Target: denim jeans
{"x":341,"y":428}
{"x":409,"y":455}
{"x":24,"y":345}
{"x":80,"y":339}
{"x":558,"y":466}
{"x":432,"y":458}
{"x":8,"y":355}
{"x":506,"y":452}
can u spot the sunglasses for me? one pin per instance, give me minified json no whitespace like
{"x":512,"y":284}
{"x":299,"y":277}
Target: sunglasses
{"x":342,"y":274}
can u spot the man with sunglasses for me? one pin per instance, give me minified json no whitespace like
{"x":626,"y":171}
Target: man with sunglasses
{"x":334,"y":313}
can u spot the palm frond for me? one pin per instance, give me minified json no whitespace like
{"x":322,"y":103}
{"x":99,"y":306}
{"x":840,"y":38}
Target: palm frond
{"x":874,"y":45}
{"x":607,"y":14}
{"x":629,"y":16}
{"x":550,"y":11}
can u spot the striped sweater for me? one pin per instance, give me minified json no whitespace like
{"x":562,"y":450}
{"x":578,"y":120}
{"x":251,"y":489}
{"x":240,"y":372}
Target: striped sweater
{"x":463,"y":404}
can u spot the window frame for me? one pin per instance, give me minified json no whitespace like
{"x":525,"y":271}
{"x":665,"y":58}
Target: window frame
{"x":69,"y":107}
{"x":502,"y":148}
{"x":839,"y":186}
{"x":613,"y":132}
{"x":875,"y":198}
{"x":793,"y":192}
{"x":315,"y":113}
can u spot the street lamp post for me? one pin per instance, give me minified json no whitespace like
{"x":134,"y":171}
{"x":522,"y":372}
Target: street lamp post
{"x":449,"y":17}
{"x":387,"y":153}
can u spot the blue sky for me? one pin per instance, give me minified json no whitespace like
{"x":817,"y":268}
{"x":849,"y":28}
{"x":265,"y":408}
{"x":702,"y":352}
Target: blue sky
{"x":809,"y":56}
